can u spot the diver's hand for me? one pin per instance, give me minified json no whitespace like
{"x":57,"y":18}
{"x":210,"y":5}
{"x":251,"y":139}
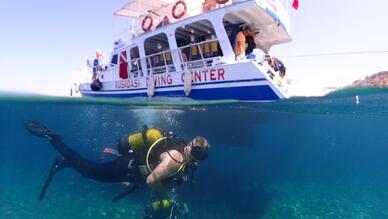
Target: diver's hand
{"x":37,"y":129}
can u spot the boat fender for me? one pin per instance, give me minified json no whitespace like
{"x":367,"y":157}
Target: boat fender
{"x":96,"y":85}
{"x":222,"y":1}
{"x":150,"y":87}
{"x":187,"y":82}
{"x":174,"y":9}
{"x":146,"y":24}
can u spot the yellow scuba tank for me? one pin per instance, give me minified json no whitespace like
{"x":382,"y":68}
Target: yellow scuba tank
{"x":141,"y":141}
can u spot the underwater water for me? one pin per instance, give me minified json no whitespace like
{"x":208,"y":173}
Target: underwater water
{"x":321,"y":157}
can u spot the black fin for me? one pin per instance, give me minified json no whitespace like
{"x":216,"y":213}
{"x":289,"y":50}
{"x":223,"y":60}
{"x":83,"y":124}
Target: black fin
{"x":36,"y":128}
{"x":58,"y":164}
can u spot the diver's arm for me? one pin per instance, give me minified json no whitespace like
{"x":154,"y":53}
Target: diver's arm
{"x":166,"y":167}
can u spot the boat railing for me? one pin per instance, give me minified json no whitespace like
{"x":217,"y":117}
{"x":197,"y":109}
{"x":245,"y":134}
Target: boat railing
{"x":199,"y":55}
{"x":192,"y":56}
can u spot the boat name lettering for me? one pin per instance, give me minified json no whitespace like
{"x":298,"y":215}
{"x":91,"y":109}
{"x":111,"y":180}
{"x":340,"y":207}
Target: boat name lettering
{"x":127,"y":83}
{"x":162,"y":79}
{"x":213,"y":74}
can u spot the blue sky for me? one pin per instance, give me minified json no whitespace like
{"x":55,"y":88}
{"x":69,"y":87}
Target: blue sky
{"x":42,"y":42}
{"x":335,"y":26}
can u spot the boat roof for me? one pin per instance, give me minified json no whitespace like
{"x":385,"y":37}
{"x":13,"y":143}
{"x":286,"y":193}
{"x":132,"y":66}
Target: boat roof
{"x":273,"y":22}
{"x":137,"y":8}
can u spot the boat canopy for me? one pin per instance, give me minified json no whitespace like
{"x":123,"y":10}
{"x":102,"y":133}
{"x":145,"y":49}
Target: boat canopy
{"x":266,"y":17}
{"x":158,"y":8}
{"x":137,"y":8}
{"x":272,"y":27}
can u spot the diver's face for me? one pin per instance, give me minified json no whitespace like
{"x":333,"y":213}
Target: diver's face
{"x":198,"y":152}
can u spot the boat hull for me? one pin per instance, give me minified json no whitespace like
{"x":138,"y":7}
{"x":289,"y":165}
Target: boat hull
{"x":243,"y":81}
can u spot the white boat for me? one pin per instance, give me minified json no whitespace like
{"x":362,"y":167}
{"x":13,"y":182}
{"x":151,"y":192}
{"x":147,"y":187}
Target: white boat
{"x":189,"y":53}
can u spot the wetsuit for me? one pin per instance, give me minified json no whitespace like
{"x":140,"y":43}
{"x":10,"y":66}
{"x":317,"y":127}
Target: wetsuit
{"x":122,"y":169}
{"x":117,"y":170}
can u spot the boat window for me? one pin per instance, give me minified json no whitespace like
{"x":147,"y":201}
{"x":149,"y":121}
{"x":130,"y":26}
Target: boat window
{"x":198,"y":44}
{"x":158,"y":54}
{"x":135,"y":61}
{"x":113,"y":61}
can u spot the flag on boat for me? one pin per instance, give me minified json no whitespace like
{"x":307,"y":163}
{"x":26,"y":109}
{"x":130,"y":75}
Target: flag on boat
{"x":295,"y":4}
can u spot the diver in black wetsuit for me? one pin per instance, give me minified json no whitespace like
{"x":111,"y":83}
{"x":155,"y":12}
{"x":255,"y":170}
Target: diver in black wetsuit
{"x":165,"y":164}
{"x":113,"y":171}
{"x":121,"y":169}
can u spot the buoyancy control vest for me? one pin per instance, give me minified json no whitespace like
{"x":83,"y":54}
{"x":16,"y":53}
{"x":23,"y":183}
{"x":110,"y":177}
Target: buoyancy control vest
{"x":149,"y":144}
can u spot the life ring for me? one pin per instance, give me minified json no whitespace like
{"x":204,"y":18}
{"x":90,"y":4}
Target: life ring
{"x":183,"y":12}
{"x":144,"y":25}
{"x":222,"y":1}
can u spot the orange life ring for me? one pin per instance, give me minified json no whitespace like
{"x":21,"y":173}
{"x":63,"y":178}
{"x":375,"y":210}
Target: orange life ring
{"x":180,"y":15}
{"x":144,"y":23}
{"x":222,"y":1}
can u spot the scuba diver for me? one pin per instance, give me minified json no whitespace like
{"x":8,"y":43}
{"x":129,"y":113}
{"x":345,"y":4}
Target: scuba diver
{"x":149,"y":157}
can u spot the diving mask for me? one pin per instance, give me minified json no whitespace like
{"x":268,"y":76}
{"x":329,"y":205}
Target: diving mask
{"x":199,"y":153}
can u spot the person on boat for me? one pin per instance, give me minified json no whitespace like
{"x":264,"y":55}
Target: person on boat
{"x":278,"y":67}
{"x":148,"y":157}
{"x":276,"y":64}
{"x":240,"y":44}
{"x":250,"y":40}
{"x":96,"y":64}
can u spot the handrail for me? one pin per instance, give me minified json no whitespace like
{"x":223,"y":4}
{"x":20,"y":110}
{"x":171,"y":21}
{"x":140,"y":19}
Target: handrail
{"x":202,"y":59}
{"x":201,"y":53}
{"x":165,"y":67}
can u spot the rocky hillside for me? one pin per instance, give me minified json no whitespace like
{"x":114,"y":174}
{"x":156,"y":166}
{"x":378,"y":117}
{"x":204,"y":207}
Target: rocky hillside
{"x":377,"y":80}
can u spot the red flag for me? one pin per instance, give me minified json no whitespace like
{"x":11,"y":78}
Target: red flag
{"x":123,"y":70}
{"x":295,"y":4}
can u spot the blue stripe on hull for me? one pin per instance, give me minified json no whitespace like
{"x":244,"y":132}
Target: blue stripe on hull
{"x":239,"y":93}
{"x":263,"y":93}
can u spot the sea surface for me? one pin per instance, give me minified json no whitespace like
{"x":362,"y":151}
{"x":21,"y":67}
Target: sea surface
{"x":316,"y":157}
